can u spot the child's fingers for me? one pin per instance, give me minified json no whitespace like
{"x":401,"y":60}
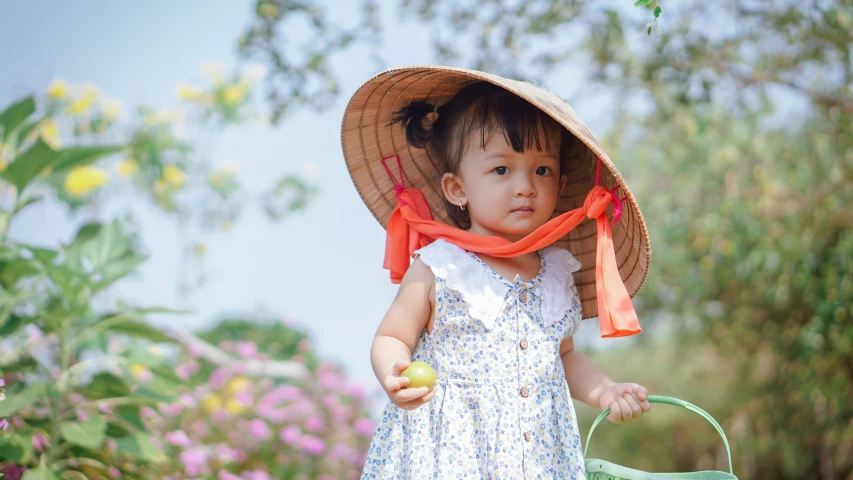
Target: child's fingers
{"x":408,"y":394}
{"x":615,"y":415}
{"x":413,"y":404}
{"x":624,"y":409}
{"x":394,"y":382}
{"x":399,"y":366}
{"x":633,"y":404}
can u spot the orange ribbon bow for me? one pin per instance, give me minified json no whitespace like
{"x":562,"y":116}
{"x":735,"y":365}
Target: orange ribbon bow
{"x":412,"y":227}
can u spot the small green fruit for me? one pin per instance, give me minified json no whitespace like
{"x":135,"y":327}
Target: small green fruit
{"x":420,"y":374}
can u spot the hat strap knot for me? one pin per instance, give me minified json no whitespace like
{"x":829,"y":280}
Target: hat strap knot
{"x":617,"y":202}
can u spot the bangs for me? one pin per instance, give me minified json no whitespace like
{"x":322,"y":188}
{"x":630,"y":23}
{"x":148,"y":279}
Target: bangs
{"x":523,"y":125}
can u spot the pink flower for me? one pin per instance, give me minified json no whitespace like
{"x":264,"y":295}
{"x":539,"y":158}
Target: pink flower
{"x":82,"y":415}
{"x":217,"y":377}
{"x":220,"y":416}
{"x":186,"y":370}
{"x":194,"y":350}
{"x":178,"y":438}
{"x":187,"y":400}
{"x":245,"y":398}
{"x":194,"y":460}
{"x":147,"y":412}
{"x":223,"y":475}
{"x":259,"y":429}
{"x":304,"y":345}
{"x":256,"y":475}
{"x":3,"y":424}
{"x":312,"y":444}
{"x":330,"y":380}
{"x":40,"y":442}
{"x":290,"y":435}
{"x":365,"y":427}
{"x":247,"y":349}
{"x":315,"y":423}
{"x":114,"y":472}
{"x":171,"y":410}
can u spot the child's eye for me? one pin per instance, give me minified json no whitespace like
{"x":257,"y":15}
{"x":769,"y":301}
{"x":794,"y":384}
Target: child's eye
{"x":501,"y":170}
{"x":544,"y":171}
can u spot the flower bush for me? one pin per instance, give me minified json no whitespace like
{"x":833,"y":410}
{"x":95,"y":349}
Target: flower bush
{"x":227,"y":426}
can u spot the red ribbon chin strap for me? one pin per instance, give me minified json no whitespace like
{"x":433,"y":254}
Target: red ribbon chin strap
{"x":412,"y":227}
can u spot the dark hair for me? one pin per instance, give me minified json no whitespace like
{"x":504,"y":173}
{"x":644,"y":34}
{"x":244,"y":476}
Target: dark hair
{"x":442,"y":130}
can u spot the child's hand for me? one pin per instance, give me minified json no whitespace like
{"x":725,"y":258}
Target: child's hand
{"x":405,"y":398}
{"x":626,"y":401}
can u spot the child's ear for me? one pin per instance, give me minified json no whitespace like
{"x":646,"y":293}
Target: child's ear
{"x":563,"y":181}
{"x":454,"y":190}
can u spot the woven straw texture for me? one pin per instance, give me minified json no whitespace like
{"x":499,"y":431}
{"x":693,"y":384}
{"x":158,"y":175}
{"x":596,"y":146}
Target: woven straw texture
{"x":367,"y":137}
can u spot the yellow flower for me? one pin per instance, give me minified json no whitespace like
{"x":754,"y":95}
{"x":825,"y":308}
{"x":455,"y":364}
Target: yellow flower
{"x":200,"y":248}
{"x":57,"y":89}
{"x":234,"y":94}
{"x":212,"y":402}
{"x":49,"y":132}
{"x":237,"y":385}
{"x":83,"y":180}
{"x":3,"y":165}
{"x":174,"y":176}
{"x":141,"y":372}
{"x":113,"y":109}
{"x":226,"y":226}
{"x":189,"y":93}
{"x":84,"y":103}
{"x":127,"y":168}
{"x":235,"y":407}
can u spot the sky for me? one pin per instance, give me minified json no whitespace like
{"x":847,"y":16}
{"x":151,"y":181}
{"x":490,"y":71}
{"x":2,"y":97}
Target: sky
{"x":323,"y":267}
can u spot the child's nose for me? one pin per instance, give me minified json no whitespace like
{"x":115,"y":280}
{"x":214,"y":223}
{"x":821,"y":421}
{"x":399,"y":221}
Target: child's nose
{"x":525,"y":186}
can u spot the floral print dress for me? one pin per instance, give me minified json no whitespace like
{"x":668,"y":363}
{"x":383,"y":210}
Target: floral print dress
{"x":502,"y":408}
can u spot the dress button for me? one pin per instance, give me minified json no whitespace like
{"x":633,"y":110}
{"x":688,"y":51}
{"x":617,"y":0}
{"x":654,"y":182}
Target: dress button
{"x":528,"y":436}
{"x":523,"y":297}
{"x":523,"y":344}
{"x":525,"y":392}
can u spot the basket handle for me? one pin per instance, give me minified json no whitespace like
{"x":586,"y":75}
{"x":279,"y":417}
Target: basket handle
{"x":677,"y":403}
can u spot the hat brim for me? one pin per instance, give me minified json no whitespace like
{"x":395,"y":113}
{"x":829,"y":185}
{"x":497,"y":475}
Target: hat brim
{"x":367,"y":136}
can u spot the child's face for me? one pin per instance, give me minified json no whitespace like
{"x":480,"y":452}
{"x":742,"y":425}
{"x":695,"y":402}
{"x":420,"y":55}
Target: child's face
{"x":507,"y":193}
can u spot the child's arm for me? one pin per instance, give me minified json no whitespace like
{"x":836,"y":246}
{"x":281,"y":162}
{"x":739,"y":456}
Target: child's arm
{"x":398,"y":334}
{"x":587,"y":384}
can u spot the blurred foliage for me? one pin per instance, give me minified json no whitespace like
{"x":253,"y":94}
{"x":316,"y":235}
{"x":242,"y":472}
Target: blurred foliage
{"x":77,"y":367}
{"x":733,"y":129}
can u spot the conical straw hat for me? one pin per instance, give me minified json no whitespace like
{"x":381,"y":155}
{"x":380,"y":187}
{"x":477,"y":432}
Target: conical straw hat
{"x":368,"y":136}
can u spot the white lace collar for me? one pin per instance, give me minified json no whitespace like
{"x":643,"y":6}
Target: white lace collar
{"x":484,"y":290}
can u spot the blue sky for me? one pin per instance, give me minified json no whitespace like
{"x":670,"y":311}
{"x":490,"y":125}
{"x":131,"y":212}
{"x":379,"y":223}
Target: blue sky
{"x":325,"y":274}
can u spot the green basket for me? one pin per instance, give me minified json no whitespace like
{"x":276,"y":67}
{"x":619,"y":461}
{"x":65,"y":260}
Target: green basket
{"x":602,"y":470}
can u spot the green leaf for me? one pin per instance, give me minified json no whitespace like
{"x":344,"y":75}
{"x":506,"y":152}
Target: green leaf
{"x":17,"y":448}
{"x":139,"y":329}
{"x":106,"y":385}
{"x":149,"y":395}
{"x":15,"y":114}
{"x":79,"y":156}
{"x":16,"y":401}
{"x":69,"y":281}
{"x":100,"y":244}
{"x":650,"y":31}
{"x":39,"y":473}
{"x":14,"y":270}
{"x":13,"y":324}
{"x":657,"y":11}
{"x":88,"y":434}
{"x":30,"y":164}
{"x":118,"y":269}
{"x":130,"y":414}
{"x":642,"y":3}
{"x":140,"y":445}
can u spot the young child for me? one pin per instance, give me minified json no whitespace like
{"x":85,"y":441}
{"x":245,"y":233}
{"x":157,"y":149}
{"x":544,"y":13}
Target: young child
{"x":489,"y":301}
